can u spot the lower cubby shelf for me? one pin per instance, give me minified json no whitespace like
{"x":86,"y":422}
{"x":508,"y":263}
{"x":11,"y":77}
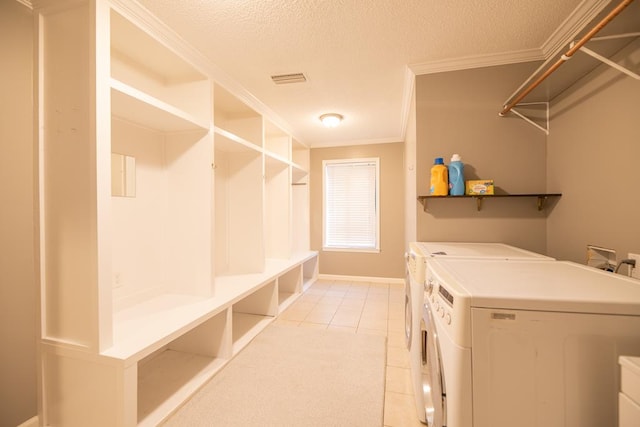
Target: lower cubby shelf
{"x":285,"y":299}
{"x":289,"y":287}
{"x":252,"y":314}
{"x":246,"y":327}
{"x":170,"y":375}
{"x":170,"y":378}
{"x":310,"y":269}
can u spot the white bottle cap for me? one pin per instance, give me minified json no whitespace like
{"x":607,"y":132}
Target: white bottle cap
{"x":456,"y":158}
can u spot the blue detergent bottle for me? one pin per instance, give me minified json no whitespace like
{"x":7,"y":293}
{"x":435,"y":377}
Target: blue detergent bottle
{"x":456,"y":176}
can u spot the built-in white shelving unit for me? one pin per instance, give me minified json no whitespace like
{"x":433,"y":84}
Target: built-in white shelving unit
{"x":289,"y":286}
{"x":147,"y":294}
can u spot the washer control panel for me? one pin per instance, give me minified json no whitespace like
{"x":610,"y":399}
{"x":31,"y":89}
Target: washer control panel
{"x":439,"y":298}
{"x":449,"y":305}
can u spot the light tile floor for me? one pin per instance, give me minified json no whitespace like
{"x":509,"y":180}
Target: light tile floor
{"x":364,"y":308}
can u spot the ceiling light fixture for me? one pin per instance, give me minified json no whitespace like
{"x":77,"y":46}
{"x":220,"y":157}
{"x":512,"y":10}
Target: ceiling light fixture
{"x":331,"y":120}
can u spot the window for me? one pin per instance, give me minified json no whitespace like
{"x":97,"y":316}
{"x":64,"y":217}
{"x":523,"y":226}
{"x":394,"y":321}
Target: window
{"x":351,"y":204}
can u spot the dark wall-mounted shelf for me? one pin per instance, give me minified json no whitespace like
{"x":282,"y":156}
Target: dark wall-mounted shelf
{"x":541,"y":197}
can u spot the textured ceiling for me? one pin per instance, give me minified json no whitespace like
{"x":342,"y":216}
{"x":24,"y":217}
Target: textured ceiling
{"x":355,"y":53}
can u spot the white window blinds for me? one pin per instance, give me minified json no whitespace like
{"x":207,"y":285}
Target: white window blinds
{"x":351,"y":204}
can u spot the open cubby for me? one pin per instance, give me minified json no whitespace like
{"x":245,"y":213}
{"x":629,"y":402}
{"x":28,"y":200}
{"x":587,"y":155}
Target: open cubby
{"x":235,"y":117}
{"x":158,"y":245}
{"x":147,"y":74}
{"x":253,"y":313}
{"x":300,"y":238}
{"x":276,"y":141}
{"x":310,"y":270}
{"x":171,"y":374}
{"x":238,"y":214}
{"x":277,"y":209}
{"x":289,"y":287}
{"x":300,"y":211}
{"x":300,"y":155}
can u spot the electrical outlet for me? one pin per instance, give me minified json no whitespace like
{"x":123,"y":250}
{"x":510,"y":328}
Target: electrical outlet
{"x":635,"y":272}
{"x":117,"y":280}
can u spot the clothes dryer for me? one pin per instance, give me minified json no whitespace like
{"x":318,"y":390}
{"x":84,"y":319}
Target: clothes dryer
{"x":528,"y":344}
{"x":416,"y":280}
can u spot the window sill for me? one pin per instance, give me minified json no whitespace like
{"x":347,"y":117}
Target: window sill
{"x":365,"y":250}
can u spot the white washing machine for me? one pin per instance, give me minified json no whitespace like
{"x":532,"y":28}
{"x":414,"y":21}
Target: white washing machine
{"x":527,"y":344}
{"x":417,"y":258}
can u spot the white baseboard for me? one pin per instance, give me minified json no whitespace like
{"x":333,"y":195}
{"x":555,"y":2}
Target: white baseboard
{"x":390,"y":280}
{"x":32,"y":422}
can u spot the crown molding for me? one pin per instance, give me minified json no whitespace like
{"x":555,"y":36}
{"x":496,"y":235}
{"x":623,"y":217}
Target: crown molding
{"x":407,"y":95}
{"x":476,"y":61}
{"x":582,"y":15}
{"x":149,"y":23}
{"x":26,"y":3}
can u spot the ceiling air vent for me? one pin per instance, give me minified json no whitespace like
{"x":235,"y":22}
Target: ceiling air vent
{"x":282,"y":79}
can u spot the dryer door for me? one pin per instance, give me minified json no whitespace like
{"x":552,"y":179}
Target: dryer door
{"x":432,"y":373}
{"x":408,"y":315}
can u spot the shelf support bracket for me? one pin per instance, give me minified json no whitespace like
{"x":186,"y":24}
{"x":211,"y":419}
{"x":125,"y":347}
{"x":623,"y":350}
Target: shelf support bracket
{"x":545,"y":128}
{"x":541,"y":201}
{"x":607,"y":60}
{"x":479,"y":203}
{"x":423,"y":202}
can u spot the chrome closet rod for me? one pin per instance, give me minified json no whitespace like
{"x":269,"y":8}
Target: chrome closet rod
{"x":615,"y":12}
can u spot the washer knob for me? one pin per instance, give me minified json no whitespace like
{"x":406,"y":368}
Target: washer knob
{"x":442,"y":313}
{"x":428,"y":287}
{"x":448,"y":319}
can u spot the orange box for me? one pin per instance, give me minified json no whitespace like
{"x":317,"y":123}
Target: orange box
{"x":477,"y":187}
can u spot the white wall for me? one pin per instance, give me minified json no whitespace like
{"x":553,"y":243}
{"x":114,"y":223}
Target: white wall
{"x":18,"y":296}
{"x":594,"y":159}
